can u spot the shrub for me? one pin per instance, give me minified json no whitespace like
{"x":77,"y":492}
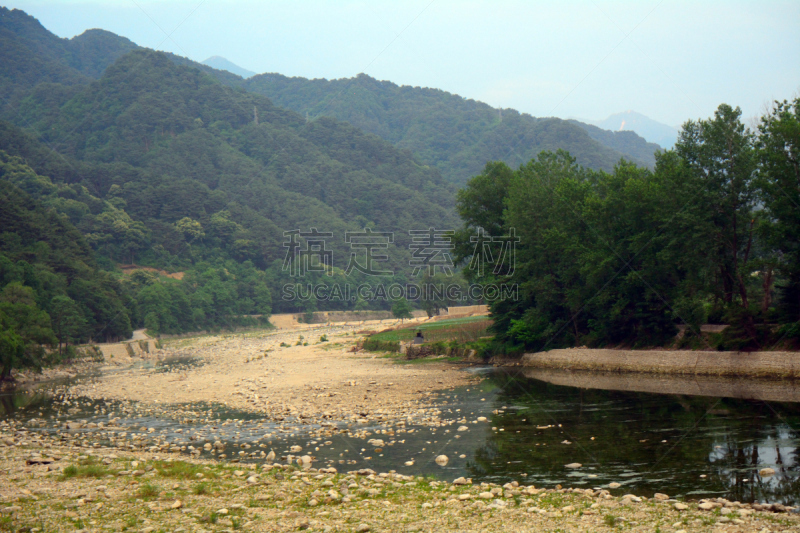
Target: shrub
{"x":374,"y":345}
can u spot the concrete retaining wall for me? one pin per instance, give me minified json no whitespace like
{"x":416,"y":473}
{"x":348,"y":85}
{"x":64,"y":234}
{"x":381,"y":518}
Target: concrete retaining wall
{"x":750,"y":388}
{"x":767,"y":364}
{"x":126,"y":350}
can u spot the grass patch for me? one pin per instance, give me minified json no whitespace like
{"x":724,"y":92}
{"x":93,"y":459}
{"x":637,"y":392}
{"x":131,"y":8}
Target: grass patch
{"x":210,"y":518}
{"x":332,"y":346}
{"x":459,"y":329}
{"x":182,"y":470}
{"x":148,"y":491}
{"x":84,"y":471}
{"x":427,"y":360}
{"x":373,"y":344}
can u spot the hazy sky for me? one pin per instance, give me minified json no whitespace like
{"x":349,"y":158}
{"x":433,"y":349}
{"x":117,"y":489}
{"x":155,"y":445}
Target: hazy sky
{"x":670,"y":60}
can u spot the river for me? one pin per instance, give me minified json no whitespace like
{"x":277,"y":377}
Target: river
{"x":615,"y":432}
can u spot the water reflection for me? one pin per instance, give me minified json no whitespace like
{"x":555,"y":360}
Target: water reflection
{"x":681,"y":444}
{"x":689,"y":445}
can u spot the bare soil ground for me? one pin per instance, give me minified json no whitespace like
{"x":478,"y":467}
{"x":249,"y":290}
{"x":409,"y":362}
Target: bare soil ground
{"x":323,"y":380}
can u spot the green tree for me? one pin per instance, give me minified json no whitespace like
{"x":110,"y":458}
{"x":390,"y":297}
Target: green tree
{"x":778,"y":149}
{"x":720,"y":155}
{"x":191,"y":229}
{"x":67,"y":319}
{"x":30,"y":326}
{"x":12,"y":352}
{"x":401,"y":309}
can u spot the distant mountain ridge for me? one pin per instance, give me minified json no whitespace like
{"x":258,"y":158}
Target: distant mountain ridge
{"x":652,"y":130}
{"x":445,"y":130}
{"x":220,"y":63}
{"x":455,"y":135}
{"x":32,"y":55}
{"x":625,"y":141}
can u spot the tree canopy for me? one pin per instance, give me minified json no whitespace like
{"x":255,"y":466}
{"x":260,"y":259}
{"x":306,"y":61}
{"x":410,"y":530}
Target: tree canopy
{"x":625,"y":258}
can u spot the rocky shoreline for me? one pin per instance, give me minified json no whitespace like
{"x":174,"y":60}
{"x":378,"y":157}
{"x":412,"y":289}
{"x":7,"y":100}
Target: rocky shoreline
{"x":99,"y":475}
{"x":50,"y":487}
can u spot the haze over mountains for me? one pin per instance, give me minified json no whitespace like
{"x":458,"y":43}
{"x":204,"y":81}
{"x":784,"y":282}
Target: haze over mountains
{"x":654,"y":131}
{"x":220,"y":63}
{"x":455,"y":134}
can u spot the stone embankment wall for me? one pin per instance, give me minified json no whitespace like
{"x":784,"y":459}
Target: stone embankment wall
{"x":121,"y":351}
{"x":324,"y":317}
{"x":765,"y":364}
{"x":467,"y":310}
{"x":748,"y":387}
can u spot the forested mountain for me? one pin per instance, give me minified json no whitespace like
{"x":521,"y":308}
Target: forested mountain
{"x":50,"y":286}
{"x":168,"y":143}
{"x":454,"y":134}
{"x":629,"y":143}
{"x":31,"y":55}
{"x":444,"y":130}
{"x":155,"y":163}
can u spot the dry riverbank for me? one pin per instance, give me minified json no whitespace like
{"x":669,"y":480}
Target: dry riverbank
{"x":110,"y":474}
{"x":273,"y":375}
{"x":47,"y":487}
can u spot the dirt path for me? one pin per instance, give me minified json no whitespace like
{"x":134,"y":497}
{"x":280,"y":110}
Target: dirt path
{"x":140,"y":335}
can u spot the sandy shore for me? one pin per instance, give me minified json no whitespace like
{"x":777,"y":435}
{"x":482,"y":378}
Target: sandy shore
{"x":315,"y":382}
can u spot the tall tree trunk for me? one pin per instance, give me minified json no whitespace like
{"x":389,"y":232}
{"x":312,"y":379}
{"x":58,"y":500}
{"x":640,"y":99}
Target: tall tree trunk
{"x":766,"y":301}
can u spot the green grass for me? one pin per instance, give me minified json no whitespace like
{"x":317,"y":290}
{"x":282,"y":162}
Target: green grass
{"x":87,"y":469}
{"x":210,"y":518}
{"x":447,"y":329}
{"x":148,"y":491}
{"x":400,"y":360}
{"x":179,"y":469}
{"x":332,"y":346}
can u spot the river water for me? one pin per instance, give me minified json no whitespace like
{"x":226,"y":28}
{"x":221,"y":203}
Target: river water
{"x":683,"y":437}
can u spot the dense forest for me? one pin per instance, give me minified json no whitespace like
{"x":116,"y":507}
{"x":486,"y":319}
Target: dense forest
{"x":624,"y":258}
{"x":175,"y":191}
{"x":454,"y":134}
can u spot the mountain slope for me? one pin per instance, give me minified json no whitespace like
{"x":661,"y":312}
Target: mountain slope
{"x":178,"y":144}
{"x":43,"y":250}
{"x":653,"y":131}
{"x":220,"y":63}
{"x":624,"y":141}
{"x":456,"y":135}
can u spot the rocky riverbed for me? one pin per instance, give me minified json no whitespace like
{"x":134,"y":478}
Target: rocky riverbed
{"x":281,"y":376}
{"x":155,"y":447}
{"x":50,"y":487}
